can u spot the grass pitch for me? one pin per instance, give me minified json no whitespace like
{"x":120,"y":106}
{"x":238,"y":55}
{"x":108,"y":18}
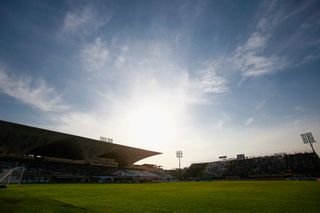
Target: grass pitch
{"x":219,"y":196}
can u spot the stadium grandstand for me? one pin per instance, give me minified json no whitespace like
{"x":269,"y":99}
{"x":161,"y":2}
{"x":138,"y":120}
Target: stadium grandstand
{"x":278,"y":166}
{"x":34,"y":155}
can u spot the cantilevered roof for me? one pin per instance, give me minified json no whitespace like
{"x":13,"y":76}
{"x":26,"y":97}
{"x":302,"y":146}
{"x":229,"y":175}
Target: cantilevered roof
{"x":21,"y":139}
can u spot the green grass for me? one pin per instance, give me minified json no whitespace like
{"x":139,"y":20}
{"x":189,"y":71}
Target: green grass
{"x":219,"y":196}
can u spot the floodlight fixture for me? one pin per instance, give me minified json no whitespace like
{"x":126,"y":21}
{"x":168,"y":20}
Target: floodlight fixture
{"x":308,"y":138}
{"x":179,"y":155}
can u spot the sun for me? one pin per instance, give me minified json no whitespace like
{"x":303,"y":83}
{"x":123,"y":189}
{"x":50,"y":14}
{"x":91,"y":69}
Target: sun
{"x":152,"y":123}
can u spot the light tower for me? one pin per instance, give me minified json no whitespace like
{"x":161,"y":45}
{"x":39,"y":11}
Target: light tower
{"x":179,"y":155}
{"x":308,"y":139}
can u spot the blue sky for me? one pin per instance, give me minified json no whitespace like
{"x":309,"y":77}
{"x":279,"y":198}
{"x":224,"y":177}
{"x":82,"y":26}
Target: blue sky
{"x":207,"y":77}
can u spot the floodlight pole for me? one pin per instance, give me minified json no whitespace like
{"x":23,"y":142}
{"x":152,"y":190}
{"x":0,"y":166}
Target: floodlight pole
{"x":179,"y":155}
{"x":312,"y":147}
{"x":314,"y":151}
{"x":308,"y":138}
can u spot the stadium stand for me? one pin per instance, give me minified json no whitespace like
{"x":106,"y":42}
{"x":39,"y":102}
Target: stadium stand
{"x":298,"y":165}
{"x":49,"y":156}
{"x":43,"y":171}
{"x":196,"y":171}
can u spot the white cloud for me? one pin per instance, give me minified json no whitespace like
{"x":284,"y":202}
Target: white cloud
{"x":198,"y":89}
{"x":122,"y":57}
{"x":249,"y":121}
{"x":256,"y":56}
{"x":300,"y":108}
{"x":156,"y":63}
{"x":81,"y":123}
{"x":220,"y":124}
{"x":296,"y":122}
{"x":34,"y":93}
{"x":224,"y":120}
{"x":84,"y":20}
{"x":251,"y":60}
{"x":255,"y":41}
{"x":211,"y":83}
{"x":75,"y":20}
{"x":275,"y":13}
{"x":95,"y":55}
{"x":200,"y":86}
{"x":261,"y":104}
{"x":309,"y":58}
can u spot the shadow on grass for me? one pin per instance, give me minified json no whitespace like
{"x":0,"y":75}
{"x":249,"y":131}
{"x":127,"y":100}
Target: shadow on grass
{"x":12,"y":204}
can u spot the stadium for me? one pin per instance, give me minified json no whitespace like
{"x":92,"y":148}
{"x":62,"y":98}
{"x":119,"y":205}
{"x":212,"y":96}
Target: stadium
{"x":34,"y":161}
{"x":197,"y":106}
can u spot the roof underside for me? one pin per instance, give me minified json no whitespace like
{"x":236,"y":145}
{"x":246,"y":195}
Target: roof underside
{"x":21,"y":139}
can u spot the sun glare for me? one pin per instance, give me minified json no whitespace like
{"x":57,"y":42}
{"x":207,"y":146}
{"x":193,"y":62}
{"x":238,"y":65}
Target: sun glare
{"x":152,"y":124}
